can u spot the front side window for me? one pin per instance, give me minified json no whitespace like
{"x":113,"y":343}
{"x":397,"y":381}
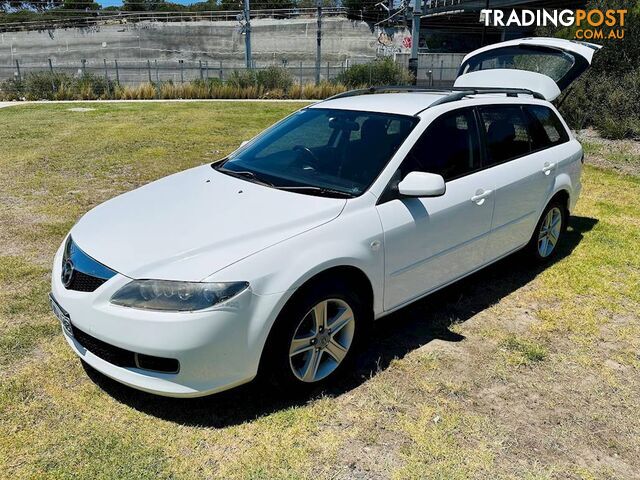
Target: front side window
{"x":322,"y":151}
{"x":506,"y":134}
{"x":545,"y":127}
{"x":449,"y":147}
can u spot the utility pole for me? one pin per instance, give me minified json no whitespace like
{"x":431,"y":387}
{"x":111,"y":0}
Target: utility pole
{"x":319,"y":41}
{"x":247,"y":33}
{"x":484,"y":27}
{"x":415,"y":38}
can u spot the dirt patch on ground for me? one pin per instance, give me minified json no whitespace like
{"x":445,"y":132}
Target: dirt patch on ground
{"x":622,"y":156}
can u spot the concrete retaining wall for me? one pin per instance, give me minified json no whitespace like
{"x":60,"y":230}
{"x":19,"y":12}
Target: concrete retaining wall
{"x":182,"y":51}
{"x":273,"y":40}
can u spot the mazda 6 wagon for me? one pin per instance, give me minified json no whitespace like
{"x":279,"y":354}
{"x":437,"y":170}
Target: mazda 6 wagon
{"x":277,"y":259}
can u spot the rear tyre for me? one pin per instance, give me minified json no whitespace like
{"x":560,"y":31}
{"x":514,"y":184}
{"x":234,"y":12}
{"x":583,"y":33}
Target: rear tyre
{"x":316,"y":336}
{"x":544,"y":242}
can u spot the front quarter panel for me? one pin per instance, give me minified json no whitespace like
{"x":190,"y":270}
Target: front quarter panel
{"x":353,"y":239}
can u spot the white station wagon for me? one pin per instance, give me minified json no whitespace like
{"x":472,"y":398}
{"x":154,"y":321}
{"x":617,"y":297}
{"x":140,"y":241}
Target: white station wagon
{"x":277,"y":258}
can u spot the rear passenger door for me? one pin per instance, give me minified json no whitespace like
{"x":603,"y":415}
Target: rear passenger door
{"x":522,"y":164}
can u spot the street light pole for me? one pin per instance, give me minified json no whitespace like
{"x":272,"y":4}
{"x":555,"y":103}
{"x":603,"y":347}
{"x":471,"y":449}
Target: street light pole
{"x":247,"y":33}
{"x":484,"y":28}
{"x":319,"y":41}
{"x":415,"y":38}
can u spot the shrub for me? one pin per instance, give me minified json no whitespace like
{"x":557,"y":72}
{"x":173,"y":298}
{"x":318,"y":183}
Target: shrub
{"x":274,"y":78}
{"x":144,"y":91}
{"x":310,"y":91}
{"x":208,"y":83}
{"x":608,"y":102}
{"x":242,"y":79}
{"x":92,"y":87}
{"x":44,"y":85}
{"x":57,"y":86}
{"x":379,"y":72}
{"x":608,"y":97}
{"x":12,"y":89}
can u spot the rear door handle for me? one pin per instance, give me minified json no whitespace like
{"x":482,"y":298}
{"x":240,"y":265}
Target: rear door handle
{"x":480,"y":196}
{"x":548,"y":167}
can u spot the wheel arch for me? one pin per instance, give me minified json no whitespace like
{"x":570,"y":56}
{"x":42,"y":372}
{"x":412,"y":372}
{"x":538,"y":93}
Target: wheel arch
{"x":563,"y":196}
{"x":352,"y":274}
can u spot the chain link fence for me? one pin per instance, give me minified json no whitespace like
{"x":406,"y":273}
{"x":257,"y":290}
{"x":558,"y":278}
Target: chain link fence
{"x":436,"y":70}
{"x":135,"y":72}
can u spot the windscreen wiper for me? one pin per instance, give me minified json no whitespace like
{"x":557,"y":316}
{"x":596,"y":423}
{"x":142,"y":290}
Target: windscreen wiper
{"x":245,"y":174}
{"x":248,"y":175}
{"x":316,"y":190}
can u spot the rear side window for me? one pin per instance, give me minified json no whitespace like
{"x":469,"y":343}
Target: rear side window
{"x":545,"y":127}
{"x":449,"y":147}
{"x":506,"y":134}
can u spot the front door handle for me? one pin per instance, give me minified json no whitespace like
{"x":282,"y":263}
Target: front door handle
{"x":548,"y":167}
{"x":480,"y":196}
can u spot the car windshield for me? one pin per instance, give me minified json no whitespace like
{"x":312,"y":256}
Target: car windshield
{"x":318,"y":151}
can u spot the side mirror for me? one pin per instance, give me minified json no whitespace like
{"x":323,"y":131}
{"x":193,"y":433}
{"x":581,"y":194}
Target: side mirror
{"x":422,"y":184}
{"x":244,"y":142}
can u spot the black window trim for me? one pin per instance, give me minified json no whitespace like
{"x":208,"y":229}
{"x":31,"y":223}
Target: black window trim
{"x":390,"y":190}
{"x":563,"y":138}
{"x":477,"y":133}
{"x":526,"y":115}
{"x":483,"y":134}
{"x":390,"y":193}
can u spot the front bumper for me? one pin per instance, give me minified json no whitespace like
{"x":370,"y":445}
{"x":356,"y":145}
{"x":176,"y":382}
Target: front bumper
{"x":217,"y":349}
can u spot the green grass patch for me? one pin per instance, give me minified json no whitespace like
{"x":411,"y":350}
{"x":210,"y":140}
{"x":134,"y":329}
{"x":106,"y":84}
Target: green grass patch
{"x":522,"y":351}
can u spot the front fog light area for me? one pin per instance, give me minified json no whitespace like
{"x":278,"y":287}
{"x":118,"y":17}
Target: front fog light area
{"x":165,"y":295}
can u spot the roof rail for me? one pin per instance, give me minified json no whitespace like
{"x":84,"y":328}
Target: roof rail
{"x":459,"y":93}
{"x":454,"y":93}
{"x":388,"y":89}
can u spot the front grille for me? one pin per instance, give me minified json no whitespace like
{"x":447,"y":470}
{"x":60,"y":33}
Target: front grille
{"x":80,"y":272}
{"x":82,"y":282}
{"x":122,"y":357}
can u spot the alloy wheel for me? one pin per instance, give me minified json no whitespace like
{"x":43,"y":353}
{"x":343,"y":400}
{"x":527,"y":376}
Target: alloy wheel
{"x":321,"y":340}
{"x":549,"y":232}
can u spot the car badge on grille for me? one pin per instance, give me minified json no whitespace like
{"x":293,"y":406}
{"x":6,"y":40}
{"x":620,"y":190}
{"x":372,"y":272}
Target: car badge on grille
{"x":67,"y":273}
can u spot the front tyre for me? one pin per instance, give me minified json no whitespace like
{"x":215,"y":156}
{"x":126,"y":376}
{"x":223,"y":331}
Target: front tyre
{"x":316,"y":336}
{"x":548,"y":233}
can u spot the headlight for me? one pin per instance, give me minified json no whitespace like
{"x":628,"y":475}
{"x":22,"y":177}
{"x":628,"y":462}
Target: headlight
{"x":175,"y":296}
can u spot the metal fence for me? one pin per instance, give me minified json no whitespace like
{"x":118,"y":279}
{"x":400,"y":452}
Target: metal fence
{"x":436,"y":70}
{"x":135,"y":72}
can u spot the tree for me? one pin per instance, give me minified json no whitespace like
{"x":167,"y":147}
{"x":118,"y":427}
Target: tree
{"x":607,"y":96}
{"x":143,"y":5}
{"x":617,"y":57}
{"x":80,"y":5}
{"x":39,"y":5}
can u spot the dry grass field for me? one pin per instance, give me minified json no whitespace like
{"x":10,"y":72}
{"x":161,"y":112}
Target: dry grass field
{"x":511,"y":373}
